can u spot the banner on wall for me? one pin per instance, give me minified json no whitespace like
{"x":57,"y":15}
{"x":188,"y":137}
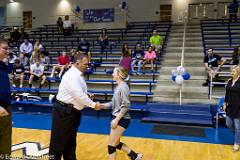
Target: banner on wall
{"x":2,"y":16}
{"x":98,"y":15}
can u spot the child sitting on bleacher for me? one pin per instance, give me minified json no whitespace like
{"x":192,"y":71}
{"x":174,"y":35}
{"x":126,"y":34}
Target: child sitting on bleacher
{"x":18,"y":73}
{"x":125,"y":60}
{"x":149,"y":57}
{"x":37,"y":73}
{"x":23,"y":59}
{"x":45,"y":60}
{"x":63,"y":62}
{"x":138,"y":55}
{"x":156,"y":41}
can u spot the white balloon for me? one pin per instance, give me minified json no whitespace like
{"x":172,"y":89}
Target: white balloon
{"x":180,"y":70}
{"x":179,"y":79}
{"x":174,"y":72}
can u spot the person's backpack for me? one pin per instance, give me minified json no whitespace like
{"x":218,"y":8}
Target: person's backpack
{"x":26,"y":97}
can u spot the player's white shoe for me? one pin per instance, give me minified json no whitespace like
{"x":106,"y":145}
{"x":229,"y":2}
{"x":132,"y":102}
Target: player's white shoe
{"x":139,"y":156}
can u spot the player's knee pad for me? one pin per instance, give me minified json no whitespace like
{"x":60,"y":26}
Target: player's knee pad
{"x":119,"y":146}
{"x":111,"y":149}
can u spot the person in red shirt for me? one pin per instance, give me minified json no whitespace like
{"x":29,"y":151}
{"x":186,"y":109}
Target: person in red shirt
{"x":63,"y":62}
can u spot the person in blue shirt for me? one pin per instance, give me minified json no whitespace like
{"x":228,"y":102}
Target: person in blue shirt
{"x":137,"y":58}
{"x":84,"y":47}
{"x":5,"y":101}
{"x":233,"y":10}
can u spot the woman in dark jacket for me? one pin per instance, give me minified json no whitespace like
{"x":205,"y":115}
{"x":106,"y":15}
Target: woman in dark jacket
{"x":60,"y":24}
{"x":232,"y":105}
{"x":235,"y":56}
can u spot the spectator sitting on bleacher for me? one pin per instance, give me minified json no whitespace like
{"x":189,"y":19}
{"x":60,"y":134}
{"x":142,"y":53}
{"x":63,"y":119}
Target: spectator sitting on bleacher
{"x":125,"y":60}
{"x":38,"y":46}
{"x":211,"y":64}
{"x":45,"y":60}
{"x":60,"y":24}
{"x":63,"y":62}
{"x":11,"y":58}
{"x":125,"y":48}
{"x":67,"y":26}
{"x":18,"y":73}
{"x":36,"y":73}
{"x":233,"y":10}
{"x":236,"y":56}
{"x":84,"y":47}
{"x":23,"y":34}
{"x":35,"y":55}
{"x":156,"y":41}
{"x":103,"y":40}
{"x":23,"y":59}
{"x":72,"y":54}
{"x":26,"y":47}
{"x":138,"y":55}
{"x":149,"y":57}
{"x":15,"y":36}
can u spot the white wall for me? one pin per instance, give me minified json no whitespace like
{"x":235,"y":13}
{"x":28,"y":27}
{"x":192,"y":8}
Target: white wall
{"x":47,"y":11}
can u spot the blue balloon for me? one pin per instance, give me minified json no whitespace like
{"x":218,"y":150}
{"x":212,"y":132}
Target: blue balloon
{"x":123,"y":5}
{"x":173,"y":78}
{"x":77,"y":9}
{"x":186,"y":76}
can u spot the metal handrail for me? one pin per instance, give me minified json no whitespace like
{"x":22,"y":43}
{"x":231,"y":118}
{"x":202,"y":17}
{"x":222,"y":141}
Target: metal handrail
{"x":183,"y":51}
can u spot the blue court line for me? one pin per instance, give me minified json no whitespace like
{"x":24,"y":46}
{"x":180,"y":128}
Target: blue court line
{"x":94,"y":125}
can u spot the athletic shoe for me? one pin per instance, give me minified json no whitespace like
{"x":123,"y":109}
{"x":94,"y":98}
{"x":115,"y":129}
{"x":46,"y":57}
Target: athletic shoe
{"x":20,"y":85}
{"x":139,"y":156}
{"x":236,"y":147}
{"x":13,"y":85}
{"x":60,"y":76}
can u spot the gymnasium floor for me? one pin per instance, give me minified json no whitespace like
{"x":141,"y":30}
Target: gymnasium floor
{"x":156,"y":142}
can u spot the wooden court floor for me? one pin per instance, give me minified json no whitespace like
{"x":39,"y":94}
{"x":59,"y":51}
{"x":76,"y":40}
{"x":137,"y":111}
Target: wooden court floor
{"x":94,"y":147}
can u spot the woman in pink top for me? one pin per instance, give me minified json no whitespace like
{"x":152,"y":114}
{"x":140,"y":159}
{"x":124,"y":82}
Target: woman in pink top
{"x":150,"y":57}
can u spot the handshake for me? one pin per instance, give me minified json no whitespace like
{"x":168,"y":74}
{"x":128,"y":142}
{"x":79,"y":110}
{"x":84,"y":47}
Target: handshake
{"x":100,"y":106}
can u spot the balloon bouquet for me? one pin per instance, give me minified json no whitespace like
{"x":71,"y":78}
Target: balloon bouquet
{"x":123,"y":5}
{"x":180,"y":74}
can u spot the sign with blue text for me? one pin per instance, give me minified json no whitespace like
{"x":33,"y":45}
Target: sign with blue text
{"x":98,"y":15}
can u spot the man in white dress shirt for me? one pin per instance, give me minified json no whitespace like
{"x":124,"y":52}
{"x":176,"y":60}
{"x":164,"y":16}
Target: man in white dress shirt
{"x":72,"y":97}
{"x":26,"y":47}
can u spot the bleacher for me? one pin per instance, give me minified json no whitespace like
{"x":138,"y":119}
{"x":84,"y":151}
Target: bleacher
{"x":99,"y":78}
{"x":223,"y":36}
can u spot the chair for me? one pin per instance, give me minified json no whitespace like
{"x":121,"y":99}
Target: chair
{"x":220,"y":112}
